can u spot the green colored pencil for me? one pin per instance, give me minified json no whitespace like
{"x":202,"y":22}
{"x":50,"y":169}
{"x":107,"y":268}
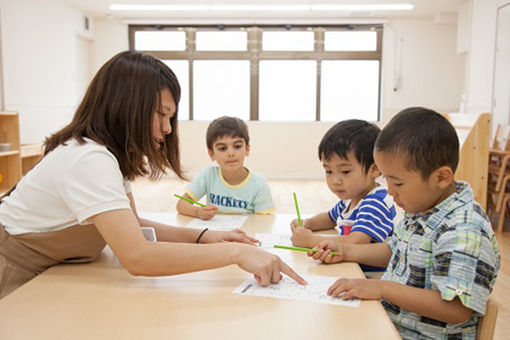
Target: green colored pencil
{"x":299,"y":249}
{"x":190,"y":200}
{"x":297,"y":210}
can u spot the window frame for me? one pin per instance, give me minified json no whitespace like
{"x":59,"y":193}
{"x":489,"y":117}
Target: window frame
{"x":255,"y":54}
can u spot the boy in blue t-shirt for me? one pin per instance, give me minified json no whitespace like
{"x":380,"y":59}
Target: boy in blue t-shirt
{"x":443,"y":258}
{"x":365,"y":212}
{"x":228,"y":187}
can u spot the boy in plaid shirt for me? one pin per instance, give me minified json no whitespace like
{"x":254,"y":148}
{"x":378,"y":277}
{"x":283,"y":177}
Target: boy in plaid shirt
{"x":443,"y":258}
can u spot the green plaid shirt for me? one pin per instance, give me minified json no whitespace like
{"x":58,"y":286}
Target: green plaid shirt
{"x":451,"y":249}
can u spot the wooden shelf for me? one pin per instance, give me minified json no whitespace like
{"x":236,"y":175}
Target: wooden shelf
{"x":8,"y":113}
{"x":17,"y":161}
{"x":9,"y":153}
{"x":31,"y":150}
{"x":10,"y":165}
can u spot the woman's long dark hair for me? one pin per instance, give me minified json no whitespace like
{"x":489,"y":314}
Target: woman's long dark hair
{"x":117,"y":112}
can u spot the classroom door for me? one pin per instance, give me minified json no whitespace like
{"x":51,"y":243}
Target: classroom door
{"x":501,"y":89}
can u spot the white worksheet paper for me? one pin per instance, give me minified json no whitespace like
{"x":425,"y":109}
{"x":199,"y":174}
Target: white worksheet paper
{"x":269,"y":240}
{"x":219,"y":222}
{"x":287,"y":288}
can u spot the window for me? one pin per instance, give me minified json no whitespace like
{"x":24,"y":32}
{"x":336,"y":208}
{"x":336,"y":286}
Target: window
{"x":349,"y":89}
{"x":160,"y":41}
{"x":181,"y":70}
{"x":221,"y":88}
{"x":287,"y":41}
{"x":222,"y":41}
{"x":350,"y":41}
{"x":270,"y":73}
{"x":287,"y":90}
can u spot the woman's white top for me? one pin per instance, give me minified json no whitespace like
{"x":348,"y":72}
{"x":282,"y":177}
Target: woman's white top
{"x":68,"y":186}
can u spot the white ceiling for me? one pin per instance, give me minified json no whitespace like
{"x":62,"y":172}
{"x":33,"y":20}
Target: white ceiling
{"x":439,"y":9}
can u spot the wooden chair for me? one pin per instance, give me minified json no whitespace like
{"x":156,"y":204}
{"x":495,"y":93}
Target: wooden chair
{"x":487,"y":323}
{"x":499,"y":167}
{"x":503,"y":213}
{"x":501,"y":204}
{"x":473,"y":131}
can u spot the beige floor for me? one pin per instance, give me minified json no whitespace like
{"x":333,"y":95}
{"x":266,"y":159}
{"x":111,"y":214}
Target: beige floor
{"x":314,"y":196}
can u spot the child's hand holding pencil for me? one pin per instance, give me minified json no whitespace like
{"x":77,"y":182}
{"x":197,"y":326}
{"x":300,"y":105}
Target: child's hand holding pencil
{"x":298,"y":222}
{"x":302,"y":237}
{"x":328,"y":251}
{"x":295,"y":224}
{"x":207,"y":212}
{"x":204,"y":212}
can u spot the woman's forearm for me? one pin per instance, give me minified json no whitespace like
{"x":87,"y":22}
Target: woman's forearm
{"x":165,"y":258}
{"x":169,"y":233}
{"x":120,"y":229}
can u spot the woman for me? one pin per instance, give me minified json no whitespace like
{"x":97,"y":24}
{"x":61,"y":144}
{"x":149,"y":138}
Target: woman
{"x":78,"y":197}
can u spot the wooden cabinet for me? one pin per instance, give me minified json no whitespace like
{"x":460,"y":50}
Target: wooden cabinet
{"x":10,"y":159}
{"x":16,"y":159}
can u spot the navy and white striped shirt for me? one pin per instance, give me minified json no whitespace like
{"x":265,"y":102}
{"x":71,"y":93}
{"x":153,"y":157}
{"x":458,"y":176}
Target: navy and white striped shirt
{"x":373,"y":215}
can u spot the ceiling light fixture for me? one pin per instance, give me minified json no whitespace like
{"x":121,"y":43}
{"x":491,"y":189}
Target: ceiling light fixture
{"x":158,"y":8}
{"x":261,"y":8}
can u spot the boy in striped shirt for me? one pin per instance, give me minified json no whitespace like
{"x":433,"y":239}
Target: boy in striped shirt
{"x":365,"y":212}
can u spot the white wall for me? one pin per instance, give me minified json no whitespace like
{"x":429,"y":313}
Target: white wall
{"x":420,"y":60}
{"x":83,"y":67}
{"x":39,"y":63}
{"x":481,"y":54}
{"x":110,"y":39}
{"x":501,"y":87}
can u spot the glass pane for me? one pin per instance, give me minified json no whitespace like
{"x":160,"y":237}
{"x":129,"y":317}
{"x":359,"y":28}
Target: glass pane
{"x":221,"y":41}
{"x":350,"y":41}
{"x":160,"y":41}
{"x":180,"y":68}
{"x":221,"y":87}
{"x":349,"y":89}
{"x":288,"y":41}
{"x":287,"y":90}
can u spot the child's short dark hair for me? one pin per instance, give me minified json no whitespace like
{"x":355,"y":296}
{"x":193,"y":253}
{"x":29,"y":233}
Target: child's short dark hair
{"x":226,"y":126}
{"x":425,"y":137}
{"x":353,"y":134}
